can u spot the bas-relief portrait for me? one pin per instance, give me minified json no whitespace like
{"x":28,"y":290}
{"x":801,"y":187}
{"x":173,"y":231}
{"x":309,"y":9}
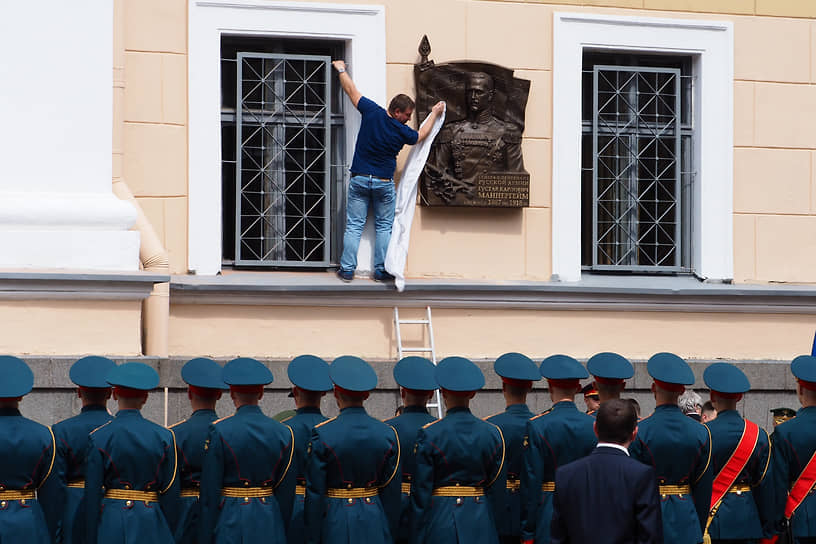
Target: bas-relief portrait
{"x":476,"y":158}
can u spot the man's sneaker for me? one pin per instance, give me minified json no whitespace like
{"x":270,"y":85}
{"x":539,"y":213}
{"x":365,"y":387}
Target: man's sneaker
{"x":383,"y":276}
{"x":345,"y":276}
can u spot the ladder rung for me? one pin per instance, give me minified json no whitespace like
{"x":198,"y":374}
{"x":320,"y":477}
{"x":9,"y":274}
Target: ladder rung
{"x":417,"y":350}
{"x":413,"y":322}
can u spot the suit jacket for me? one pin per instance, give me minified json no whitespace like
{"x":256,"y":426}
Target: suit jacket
{"x":606,"y":496}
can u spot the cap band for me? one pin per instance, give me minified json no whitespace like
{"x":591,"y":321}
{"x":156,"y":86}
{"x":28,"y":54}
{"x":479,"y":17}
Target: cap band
{"x":346,"y":392}
{"x":728,"y":396}
{"x":246,"y":388}
{"x":610,"y":381}
{"x":567,"y":383}
{"x":419,"y":392}
{"x":457,"y":393}
{"x":518,"y":383}
{"x":810,"y":386}
{"x":128,"y":392}
{"x":206,"y":392}
{"x":94,"y":389}
{"x":673,"y":387}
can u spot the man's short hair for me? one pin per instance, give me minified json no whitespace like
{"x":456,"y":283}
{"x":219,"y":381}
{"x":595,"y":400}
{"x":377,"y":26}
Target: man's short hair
{"x":401,"y":102}
{"x":615,"y":421}
{"x":708,"y":408}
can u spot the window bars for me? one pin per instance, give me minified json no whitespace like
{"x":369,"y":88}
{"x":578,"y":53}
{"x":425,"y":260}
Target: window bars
{"x":636,"y":169}
{"x":283,"y":143}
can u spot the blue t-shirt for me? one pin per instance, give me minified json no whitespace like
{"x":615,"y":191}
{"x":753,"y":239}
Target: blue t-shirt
{"x":380,"y":139}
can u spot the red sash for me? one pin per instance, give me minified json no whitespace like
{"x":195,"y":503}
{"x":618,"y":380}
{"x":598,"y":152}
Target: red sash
{"x":801,"y":487}
{"x":731,"y":471}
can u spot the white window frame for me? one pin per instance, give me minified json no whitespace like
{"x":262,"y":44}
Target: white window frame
{"x":362,"y":27}
{"x":711,"y":43}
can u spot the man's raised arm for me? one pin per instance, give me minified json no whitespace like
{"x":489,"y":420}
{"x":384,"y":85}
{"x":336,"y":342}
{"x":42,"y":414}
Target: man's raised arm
{"x":425,"y":129}
{"x":346,"y":83}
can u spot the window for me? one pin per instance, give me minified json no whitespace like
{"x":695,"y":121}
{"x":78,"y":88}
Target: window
{"x":703,"y":49}
{"x":283,"y":152}
{"x":636,"y":162}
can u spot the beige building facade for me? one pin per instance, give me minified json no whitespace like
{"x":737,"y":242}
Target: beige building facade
{"x":496,"y":280}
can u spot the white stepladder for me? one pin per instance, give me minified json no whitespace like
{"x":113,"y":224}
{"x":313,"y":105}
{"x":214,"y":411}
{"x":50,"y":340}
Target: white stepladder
{"x":436,"y":402}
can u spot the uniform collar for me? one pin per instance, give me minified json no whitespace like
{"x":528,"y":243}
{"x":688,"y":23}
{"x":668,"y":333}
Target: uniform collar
{"x":518,"y":409}
{"x":353,"y":410}
{"x":808,"y":410}
{"x":94,"y":408}
{"x":203,"y":412}
{"x":458,"y":410}
{"x":564,"y":405}
{"x":414,"y":410}
{"x":669,"y":408}
{"x":129,"y":413}
{"x":729,"y":414}
{"x":9,"y":412}
{"x":308,"y":410}
{"x":613,"y":446}
{"x":249,"y":409}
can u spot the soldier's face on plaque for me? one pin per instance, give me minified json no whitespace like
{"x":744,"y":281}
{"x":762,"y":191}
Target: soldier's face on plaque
{"x":403,"y":116}
{"x":479,"y":94}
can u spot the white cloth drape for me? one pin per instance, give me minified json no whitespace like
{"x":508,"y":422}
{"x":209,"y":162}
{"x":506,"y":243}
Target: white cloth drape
{"x":406,"y":204}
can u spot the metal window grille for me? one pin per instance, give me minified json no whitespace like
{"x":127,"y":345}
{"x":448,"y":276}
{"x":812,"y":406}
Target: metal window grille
{"x":636,"y":169}
{"x":283,"y":154}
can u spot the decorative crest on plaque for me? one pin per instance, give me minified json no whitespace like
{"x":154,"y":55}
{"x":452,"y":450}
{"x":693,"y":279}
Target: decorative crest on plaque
{"x":476,"y":158}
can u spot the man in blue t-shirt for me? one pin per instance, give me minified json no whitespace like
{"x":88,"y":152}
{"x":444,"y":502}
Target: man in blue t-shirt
{"x":382,"y":135}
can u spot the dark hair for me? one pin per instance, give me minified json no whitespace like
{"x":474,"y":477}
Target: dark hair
{"x":615,"y":421}
{"x":636,"y":405}
{"x":401,"y":102}
{"x":708,"y":407}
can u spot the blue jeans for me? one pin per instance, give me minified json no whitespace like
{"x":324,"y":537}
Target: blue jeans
{"x":362,"y":191}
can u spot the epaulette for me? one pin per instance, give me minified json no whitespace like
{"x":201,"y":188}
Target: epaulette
{"x":544,"y":413}
{"x":431,"y":423}
{"x":175,"y":424}
{"x":103,"y":425}
{"x":494,"y":415}
{"x":287,"y":419}
{"x":324,"y":422}
{"x":217,"y":421}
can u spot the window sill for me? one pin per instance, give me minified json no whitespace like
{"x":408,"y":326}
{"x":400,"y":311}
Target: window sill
{"x":592,"y":292}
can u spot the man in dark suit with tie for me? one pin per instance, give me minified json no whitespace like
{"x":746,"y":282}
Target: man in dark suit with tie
{"x":607,"y":496}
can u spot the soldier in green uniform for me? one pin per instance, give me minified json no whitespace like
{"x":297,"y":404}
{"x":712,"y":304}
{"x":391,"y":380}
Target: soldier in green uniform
{"x":309,"y":375}
{"x":417,"y":381}
{"x":743,"y":513}
{"x":794,"y":457}
{"x":679,"y":449}
{"x":458,"y":459}
{"x":559,"y":436}
{"x":26,"y":457}
{"x":518,"y":372}
{"x":352,"y":488}
{"x":63,"y":491}
{"x":204,"y":388}
{"x":610,"y":372}
{"x":131,"y":489}
{"x":246,"y":485}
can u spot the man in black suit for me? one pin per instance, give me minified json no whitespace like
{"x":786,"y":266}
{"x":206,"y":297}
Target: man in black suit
{"x":608,"y":497}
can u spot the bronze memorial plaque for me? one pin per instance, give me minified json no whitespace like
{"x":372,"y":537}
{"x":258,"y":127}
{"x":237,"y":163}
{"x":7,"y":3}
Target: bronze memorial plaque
{"x":476,"y":158}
